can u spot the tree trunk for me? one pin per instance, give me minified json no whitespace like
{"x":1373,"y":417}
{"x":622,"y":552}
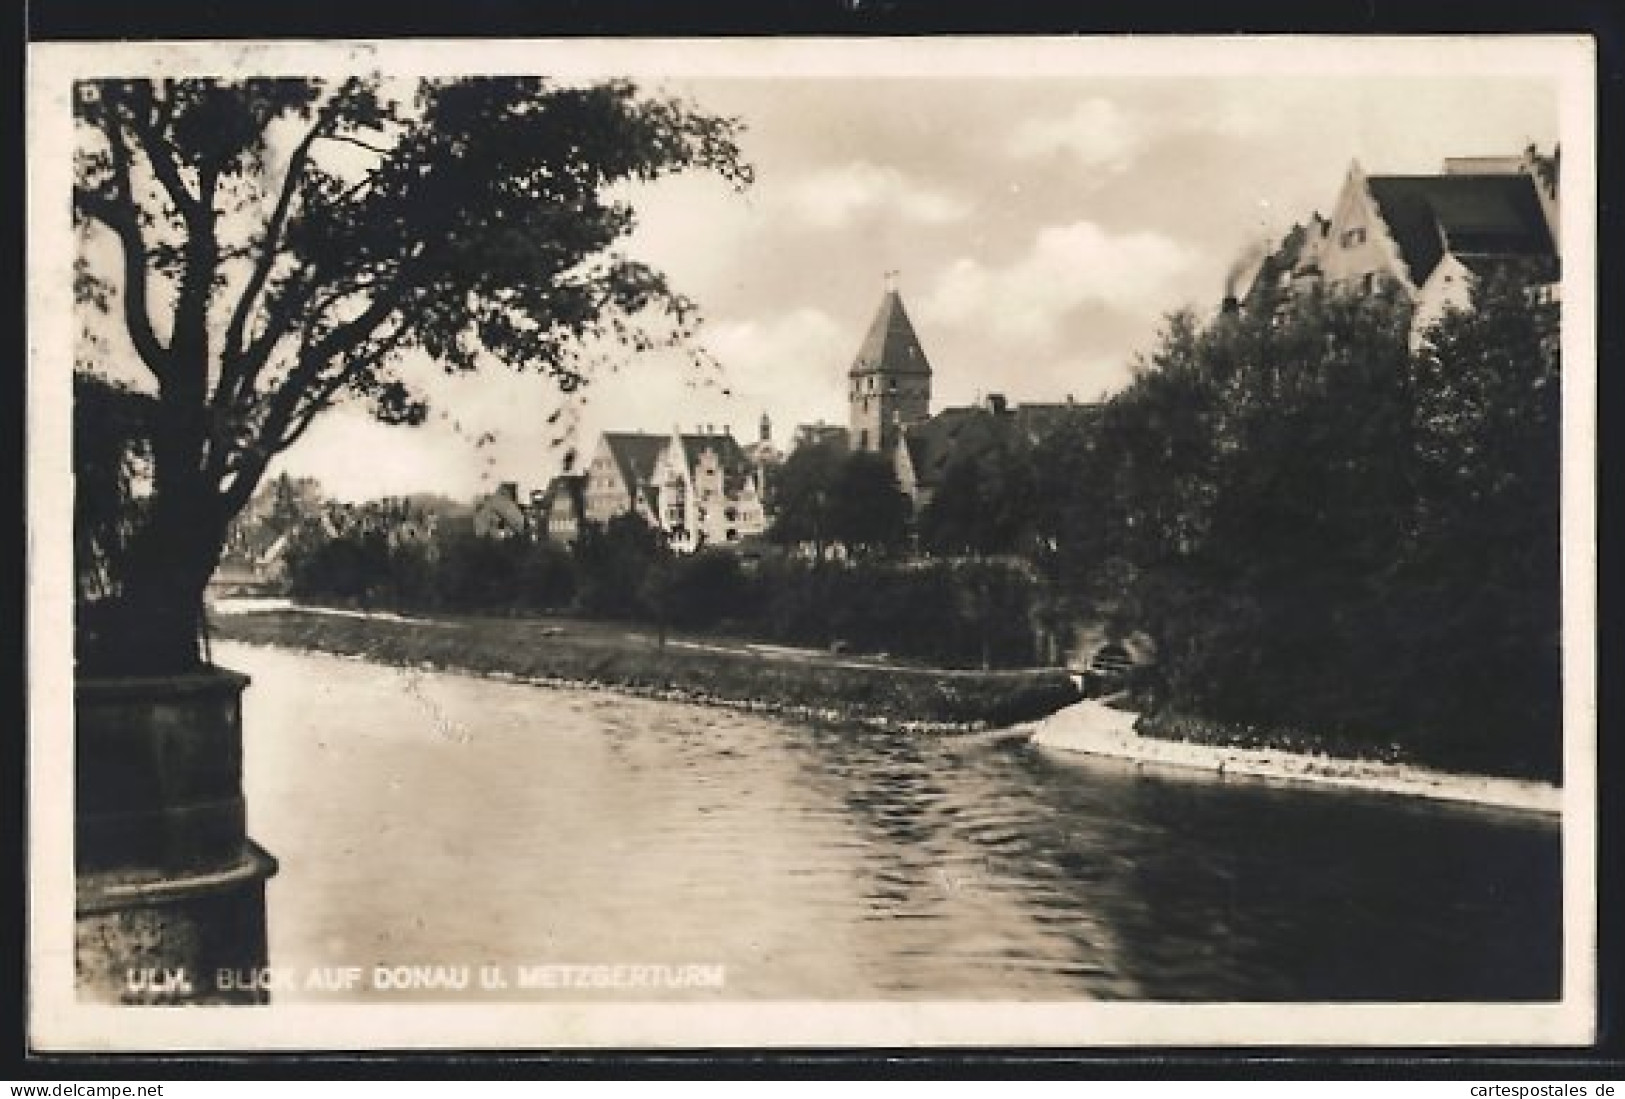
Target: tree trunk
{"x":153,"y":625}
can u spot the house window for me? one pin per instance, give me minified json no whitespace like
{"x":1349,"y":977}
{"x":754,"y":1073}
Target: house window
{"x":1352,"y":237}
{"x":1368,"y":283}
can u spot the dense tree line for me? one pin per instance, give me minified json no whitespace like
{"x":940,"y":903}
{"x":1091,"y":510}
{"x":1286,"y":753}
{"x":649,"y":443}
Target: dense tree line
{"x":1325,"y":530}
{"x":966,"y":614}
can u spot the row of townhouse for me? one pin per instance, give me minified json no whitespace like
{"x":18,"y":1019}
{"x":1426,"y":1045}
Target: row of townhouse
{"x":700,"y":489}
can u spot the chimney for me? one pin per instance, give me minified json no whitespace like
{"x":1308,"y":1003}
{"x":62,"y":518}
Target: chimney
{"x":1231,"y":307}
{"x":996,"y":403}
{"x":766,"y":433}
{"x":510,"y":489}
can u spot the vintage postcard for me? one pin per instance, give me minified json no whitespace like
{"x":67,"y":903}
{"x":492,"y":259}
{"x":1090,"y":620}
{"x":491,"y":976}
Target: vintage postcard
{"x":953,"y":542}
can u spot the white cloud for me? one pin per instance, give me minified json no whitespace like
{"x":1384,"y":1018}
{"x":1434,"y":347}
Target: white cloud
{"x":1097,"y":133}
{"x":789,"y":365}
{"x":802,"y":337}
{"x":1101,"y":136}
{"x":1067,"y":268}
{"x":835,"y":197}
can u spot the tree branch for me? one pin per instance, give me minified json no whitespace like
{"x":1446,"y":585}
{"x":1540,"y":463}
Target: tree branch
{"x":118,"y":214}
{"x":285,"y":402}
{"x":351,"y":139}
{"x":292,"y":421}
{"x":232,"y":350}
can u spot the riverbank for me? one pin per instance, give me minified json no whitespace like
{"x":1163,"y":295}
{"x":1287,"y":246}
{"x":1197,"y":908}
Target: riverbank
{"x":807,"y":685}
{"x":796,"y":683}
{"x":1096,"y":729}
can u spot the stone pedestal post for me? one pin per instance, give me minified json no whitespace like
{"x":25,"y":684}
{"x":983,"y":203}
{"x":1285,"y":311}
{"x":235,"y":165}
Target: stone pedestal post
{"x":170,"y":889}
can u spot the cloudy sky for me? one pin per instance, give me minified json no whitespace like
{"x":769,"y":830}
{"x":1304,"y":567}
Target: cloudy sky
{"x":1042,"y":224}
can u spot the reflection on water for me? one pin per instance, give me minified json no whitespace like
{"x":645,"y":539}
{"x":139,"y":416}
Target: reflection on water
{"x":450,"y":820}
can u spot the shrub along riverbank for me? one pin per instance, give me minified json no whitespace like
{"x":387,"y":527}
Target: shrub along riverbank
{"x":955,"y":614}
{"x":811,"y":685}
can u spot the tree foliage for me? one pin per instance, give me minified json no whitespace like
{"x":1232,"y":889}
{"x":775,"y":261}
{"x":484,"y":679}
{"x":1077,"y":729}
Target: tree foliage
{"x":987,"y":502}
{"x":826,"y":495}
{"x":868,"y":512}
{"x":624,"y":568}
{"x":1324,"y":530}
{"x":285,"y":244}
{"x":801,"y":490}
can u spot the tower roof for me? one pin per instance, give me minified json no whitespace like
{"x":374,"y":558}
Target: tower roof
{"x":891,"y":347}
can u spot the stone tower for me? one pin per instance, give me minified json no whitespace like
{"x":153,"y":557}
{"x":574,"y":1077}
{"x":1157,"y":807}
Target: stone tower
{"x":890,"y":381}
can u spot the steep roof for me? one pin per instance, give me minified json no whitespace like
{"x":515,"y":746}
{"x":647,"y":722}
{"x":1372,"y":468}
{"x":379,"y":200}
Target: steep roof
{"x":635,"y":453}
{"x":736,"y":464}
{"x":891,"y":345}
{"x":728,"y":450}
{"x":934,"y":443}
{"x":1037,"y":420}
{"x":1474,"y":215}
{"x":975,"y":429}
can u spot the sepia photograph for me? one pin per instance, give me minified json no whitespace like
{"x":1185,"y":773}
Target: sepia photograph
{"x":946,"y":542}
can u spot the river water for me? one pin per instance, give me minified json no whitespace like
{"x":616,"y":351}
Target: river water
{"x":425,"y":819}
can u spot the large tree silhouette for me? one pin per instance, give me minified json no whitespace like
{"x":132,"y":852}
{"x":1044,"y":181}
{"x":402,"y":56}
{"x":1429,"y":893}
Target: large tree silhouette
{"x":284,"y":244}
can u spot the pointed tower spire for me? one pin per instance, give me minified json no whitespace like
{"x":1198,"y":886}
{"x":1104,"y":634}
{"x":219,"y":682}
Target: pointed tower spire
{"x":890,"y":380}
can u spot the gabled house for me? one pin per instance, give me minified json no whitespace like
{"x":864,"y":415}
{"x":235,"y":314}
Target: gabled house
{"x":620,"y":476}
{"x":701,"y":489}
{"x":1424,"y":239}
{"x":709,"y":491}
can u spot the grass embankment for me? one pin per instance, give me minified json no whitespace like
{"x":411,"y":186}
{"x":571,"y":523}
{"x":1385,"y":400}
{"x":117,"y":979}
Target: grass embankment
{"x":1184,"y":728}
{"x":805,"y":685}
